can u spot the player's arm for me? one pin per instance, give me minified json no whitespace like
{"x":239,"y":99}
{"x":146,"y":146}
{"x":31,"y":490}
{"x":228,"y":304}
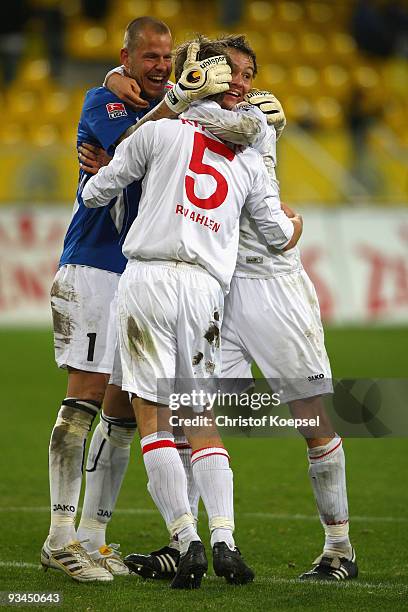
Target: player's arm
{"x":242,"y":126}
{"x":266,"y":146}
{"x":161,"y":111}
{"x":297,"y":221}
{"x":263,"y":204}
{"x":247,"y":124}
{"x":106,"y":128}
{"x":92,"y":157}
{"x":269,"y":157}
{"x":199,"y":79}
{"x":127,"y":165}
{"x":125,"y":88}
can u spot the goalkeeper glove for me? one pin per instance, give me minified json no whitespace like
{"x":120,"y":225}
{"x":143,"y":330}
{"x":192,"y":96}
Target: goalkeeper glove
{"x":198,"y":80}
{"x":270,"y":106}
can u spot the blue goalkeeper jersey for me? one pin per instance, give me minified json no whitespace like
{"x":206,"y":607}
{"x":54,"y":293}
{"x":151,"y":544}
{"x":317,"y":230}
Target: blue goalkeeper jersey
{"x":95,"y":235}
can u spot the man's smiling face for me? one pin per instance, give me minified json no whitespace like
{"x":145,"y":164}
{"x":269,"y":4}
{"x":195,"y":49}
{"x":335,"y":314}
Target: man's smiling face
{"x":242,"y":76}
{"x":149,"y":63}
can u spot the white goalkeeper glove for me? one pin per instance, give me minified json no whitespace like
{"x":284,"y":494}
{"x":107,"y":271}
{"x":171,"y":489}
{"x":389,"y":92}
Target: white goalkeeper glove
{"x":270,"y":106}
{"x":198,"y":80}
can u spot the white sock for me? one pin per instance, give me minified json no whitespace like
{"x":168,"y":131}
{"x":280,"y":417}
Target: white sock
{"x":66,"y":455}
{"x":328,"y":477}
{"x":108,"y":458}
{"x":168,"y":486}
{"x":214,"y":480}
{"x":184,"y":450}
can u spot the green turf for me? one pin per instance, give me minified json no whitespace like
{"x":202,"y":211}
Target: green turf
{"x":276,"y":524}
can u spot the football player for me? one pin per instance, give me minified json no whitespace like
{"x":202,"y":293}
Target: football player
{"x":182,"y":251}
{"x":289,"y":347}
{"x":83,"y":300}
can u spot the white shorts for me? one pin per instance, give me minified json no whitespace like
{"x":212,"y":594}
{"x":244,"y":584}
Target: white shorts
{"x":116,"y":375}
{"x":276,"y":323}
{"x":169,"y":319}
{"x":84,"y":303}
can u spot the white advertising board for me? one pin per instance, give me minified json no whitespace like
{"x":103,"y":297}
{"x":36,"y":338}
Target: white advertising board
{"x":357,"y":259}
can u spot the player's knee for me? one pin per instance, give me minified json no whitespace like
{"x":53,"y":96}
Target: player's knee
{"x":315,"y":442}
{"x":116,"y":403}
{"x":91,"y":385}
{"x":119,"y":432}
{"x":75,"y":418}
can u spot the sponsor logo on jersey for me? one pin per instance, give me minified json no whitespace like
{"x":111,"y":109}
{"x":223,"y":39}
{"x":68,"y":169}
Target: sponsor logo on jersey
{"x":315,"y":377}
{"x":254,"y":259}
{"x":116,"y":109}
{"x":63,"y":507}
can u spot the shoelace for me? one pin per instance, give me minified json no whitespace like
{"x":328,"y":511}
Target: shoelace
{"x":115,"y":548}
{"x":79,"y":551}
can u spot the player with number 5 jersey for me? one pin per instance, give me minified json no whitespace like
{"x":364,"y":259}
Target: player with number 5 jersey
{"x":182,"y":251}
{"x":193,"y":192}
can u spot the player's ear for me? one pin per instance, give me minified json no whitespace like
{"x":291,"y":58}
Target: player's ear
{"x":124,"y":58}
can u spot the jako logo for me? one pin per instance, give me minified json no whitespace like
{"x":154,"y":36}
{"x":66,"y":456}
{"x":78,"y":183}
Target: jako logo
{"x":64,"y":508}
{"x":315,"y":377}
{"x":106,"y":513}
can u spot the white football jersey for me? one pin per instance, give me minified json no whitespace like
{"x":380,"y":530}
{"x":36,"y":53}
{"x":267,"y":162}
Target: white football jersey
{"x":247,"y":125}
{"x":194,"y":188}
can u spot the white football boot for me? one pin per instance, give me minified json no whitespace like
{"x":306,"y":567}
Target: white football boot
{"x":74,"y":561}
{"x":109,"y":558}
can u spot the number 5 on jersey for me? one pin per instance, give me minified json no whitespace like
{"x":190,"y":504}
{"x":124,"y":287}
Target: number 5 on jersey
{"x":201,"y":143}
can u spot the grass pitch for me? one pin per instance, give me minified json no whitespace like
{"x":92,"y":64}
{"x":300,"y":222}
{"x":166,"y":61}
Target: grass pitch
{"x":277,"y":527}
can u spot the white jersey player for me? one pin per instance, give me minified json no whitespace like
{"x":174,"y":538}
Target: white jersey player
{"x":272,"y":317}
{"x":288,"y":321}
{"x":182,"y":252}
{"x":192,"y":219}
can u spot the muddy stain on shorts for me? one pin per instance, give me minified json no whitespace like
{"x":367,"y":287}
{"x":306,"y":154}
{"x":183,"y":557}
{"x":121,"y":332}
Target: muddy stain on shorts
{"x":63,"y":292}
{"x":140,"y":340}
{"x":210,"y":367}
{"x":61,"y":320}
{"x":212,"y":335}
{"x":197,"y":358}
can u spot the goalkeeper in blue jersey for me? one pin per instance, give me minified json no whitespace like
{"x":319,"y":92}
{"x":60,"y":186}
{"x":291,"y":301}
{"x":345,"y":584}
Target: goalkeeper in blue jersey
{"x":83,"y":301}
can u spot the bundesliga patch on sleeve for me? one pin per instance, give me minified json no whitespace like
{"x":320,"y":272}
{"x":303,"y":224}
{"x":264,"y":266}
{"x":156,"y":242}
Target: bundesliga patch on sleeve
{"x":116,"y":109}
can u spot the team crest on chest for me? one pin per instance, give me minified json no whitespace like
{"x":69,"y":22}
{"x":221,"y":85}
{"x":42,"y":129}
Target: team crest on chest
{"x":116,"y":109}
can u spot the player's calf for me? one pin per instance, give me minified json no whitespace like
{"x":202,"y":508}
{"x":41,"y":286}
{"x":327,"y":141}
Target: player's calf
{"x":66,"y":455}
{"x":108,"y":458}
